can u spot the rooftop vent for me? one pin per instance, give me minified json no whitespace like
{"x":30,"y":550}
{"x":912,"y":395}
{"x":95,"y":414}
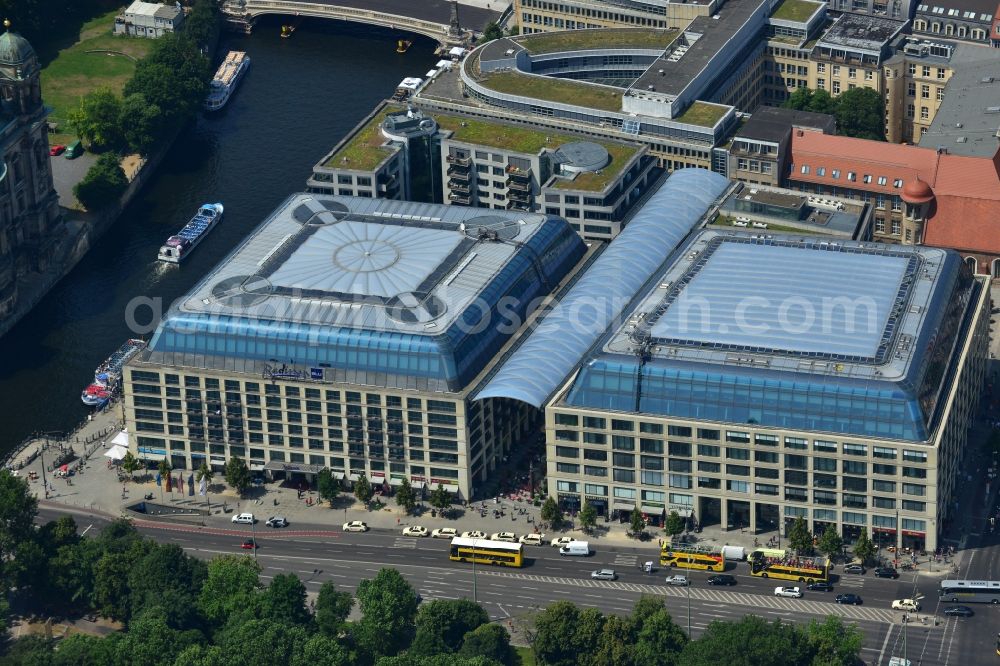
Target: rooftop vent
{"x":993,"y":109}
{"x":986,"y":80}
{"x":651,"y":87}
{"x":662,"y":72}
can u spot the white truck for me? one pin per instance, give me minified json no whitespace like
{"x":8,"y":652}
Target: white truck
{"x":576,"y":548}
{"x":734,"y":553}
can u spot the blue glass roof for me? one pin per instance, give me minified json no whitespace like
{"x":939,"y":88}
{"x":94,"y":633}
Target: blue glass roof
{"x":374,"y":292}
{"x":548,"y":356}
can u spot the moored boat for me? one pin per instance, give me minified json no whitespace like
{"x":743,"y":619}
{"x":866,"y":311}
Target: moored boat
{"x":226,"y":78}
{"x":180,"y":245}
{"x":107,"y":376}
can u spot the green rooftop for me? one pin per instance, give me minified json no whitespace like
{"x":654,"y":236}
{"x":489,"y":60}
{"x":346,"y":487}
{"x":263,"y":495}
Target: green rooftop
{"x":599,"y":38}
{"x":531,"y":141}
{"x":796,"y":10}
{"x":563,"y":91}
{"x":364,"y":151}
{"x":702,"y":114}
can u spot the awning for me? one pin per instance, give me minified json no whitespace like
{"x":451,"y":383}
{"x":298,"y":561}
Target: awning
{"x":256,"y":467}
{"x":338,"y":475}
{"x":395,"y":482}
{"x":418,"y":485}
{"x":152,"y":456}
{"x":654,"y":510}
{"x":116,"y":452}
{"x":353,"y":477}
{"x":121,"y":439}
{"x":278,"y":466}
{"x":683,"y":513}
{"x":623,"y":506}
{"x":217,"y":461}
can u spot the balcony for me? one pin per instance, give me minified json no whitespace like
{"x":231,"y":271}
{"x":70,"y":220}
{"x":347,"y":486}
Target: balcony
{"x":519,"y":185}
{"x":519,"y":195}
{"x":515,"y":172}
{"x":460,"y":161}
{"x":459,"y":186}
{"x":458,"y":174}
{"x":519,"y":206}
{"x":460,"y":198}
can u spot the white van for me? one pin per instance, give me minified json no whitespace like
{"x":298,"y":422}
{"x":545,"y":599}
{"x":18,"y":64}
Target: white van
{"x":734,"y":553}
{"x":577,"y":548}
{"x":244,"y":518}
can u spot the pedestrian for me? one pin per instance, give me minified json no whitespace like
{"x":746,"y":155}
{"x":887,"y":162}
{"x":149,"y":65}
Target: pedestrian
{"x":397,"y":520}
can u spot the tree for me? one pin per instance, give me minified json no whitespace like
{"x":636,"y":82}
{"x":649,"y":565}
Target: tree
{"x":237,"y":474}
{"x":752,"y":640}
{"x":491,"y":641}
{"x":151,"y":640}
{"x":637,"y":524}
{"x":830,"y":542}
{"x":388,"y":609}
{"x":166,"y":576}
{"x":173,"y":76}
{"x":232,"y":582}
{"x":554,"y":640}
{"x":588,"y":516}
{"x":102,"y":185}
{"x":332,"y":609}
{"x":142,"y":123}
{"x":204,"y":477}
{"x":864,"y":549}
{"x":440,"y":499}
{"x":834,"y":642}
{"x":18,"y":508}
{"x":405,"y":497}
{"x":263,"y":642}
{"x":490,"y":32}
{"x":285,"y":600}
{"x":675,"y":524}
{"x":799,"y":538}
{"x":822,"y":102}
{"x":799,"y":99}
{"x":130,"y":463}
{"x":202,"y":23}
{"x":861,"y":113}
{"x":616,"y":644}
{"x":443,"y":623}
{"x":363,"y":490}
{"x":328,"y":487}
{"x":551,"y":513}
{"x":659,"y":640}
{"x":98,"y":120}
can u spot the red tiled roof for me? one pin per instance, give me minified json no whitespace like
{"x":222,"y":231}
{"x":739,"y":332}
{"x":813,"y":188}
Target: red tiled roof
{"x":967,"y":215}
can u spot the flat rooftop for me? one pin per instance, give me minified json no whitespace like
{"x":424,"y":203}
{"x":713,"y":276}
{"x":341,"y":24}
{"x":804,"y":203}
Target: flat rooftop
{"x":968,"y":119}
{"x":798,"y":11}
{"x":603,"y":38}
{"x":714,"y":33}
{"x":363,"y":149}
{"x":774,"y":124}
{"x":857,"y":31}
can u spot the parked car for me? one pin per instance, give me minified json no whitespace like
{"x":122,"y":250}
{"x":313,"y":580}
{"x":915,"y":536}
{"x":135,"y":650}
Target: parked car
{"x":276,"y":521}
{"x":722,"y":579}
{"x":356,"y":526}
{"x":57,"y":149}
{"x":820,"y":587}
{"x":604,"y":574}
{"x":854,"y":568}
{"x":249,"y":544}
{"x":905,"y":605}
{"x":74,"y":150}
{"x":244,"y":519}
{"x":509,"y":537}
{"x":474,"y":534}
{"x":444,"y":533}
{"x":792,"y":592}
{"x":559,"y":542}
{"x":533,"y":539}
{"x":959,"y":611}
{"x":677,"y":580}
{"x":886,"y":572}
{"x":849,"y":599}
{"x":415,"y":531}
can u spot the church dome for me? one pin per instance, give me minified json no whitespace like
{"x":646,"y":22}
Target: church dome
{"x":14,"y":49}
{"x":917,"y":192}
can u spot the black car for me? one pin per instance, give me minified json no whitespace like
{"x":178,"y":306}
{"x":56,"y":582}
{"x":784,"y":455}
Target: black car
{"x":850,"y":599}
{"x":959,"y":611}
{"x":820,"y":587}
{"x":854,"y":569}
{"x":722,"y":579}
{"x":886,"y":572}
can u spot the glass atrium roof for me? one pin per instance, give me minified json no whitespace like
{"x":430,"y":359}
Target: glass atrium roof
{"x":375,"y":292}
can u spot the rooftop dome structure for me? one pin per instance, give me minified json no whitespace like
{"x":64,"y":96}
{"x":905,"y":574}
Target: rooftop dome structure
{"x":15,"y":51}
{"x":917,"y":192}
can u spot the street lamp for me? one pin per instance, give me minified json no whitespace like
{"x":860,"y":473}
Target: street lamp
{"x":475,"y":597}
{"x":253,"y":535}
{"x":689,"y":595}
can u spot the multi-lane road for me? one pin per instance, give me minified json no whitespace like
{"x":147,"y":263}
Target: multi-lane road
{"x":316,"y":555}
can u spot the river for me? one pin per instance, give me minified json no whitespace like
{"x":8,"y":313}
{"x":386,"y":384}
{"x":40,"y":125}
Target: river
{"x":299,"y":98}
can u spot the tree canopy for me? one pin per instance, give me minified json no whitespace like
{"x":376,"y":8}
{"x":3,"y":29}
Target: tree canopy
{"x":237,"y":474}
{"x":860,"y":112}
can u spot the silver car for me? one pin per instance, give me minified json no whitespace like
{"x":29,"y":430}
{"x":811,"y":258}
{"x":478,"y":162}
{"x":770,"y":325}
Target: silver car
{"x":604,"y":574}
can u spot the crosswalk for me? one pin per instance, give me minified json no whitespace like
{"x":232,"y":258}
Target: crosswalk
{"x":718,"y":596}
{"x":624,"y":560}
{"x":405,"y":542}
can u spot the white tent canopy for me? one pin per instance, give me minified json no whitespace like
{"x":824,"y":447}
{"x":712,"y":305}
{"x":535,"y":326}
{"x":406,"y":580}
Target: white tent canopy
{"x":121,"y":439}
{"x":116,"y":452}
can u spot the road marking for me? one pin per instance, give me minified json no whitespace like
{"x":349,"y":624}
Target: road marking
{"x":885,"y":643}
{"x":84,"y":533}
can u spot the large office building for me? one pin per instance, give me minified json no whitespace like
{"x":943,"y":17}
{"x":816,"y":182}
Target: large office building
{"x":348,"y":333}
{"x":755,"y":378}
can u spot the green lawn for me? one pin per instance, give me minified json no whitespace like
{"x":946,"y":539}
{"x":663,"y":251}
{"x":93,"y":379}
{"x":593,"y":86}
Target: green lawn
{"x":74,"y":72}
{"x":796,"y":10}
{"x":527,"y":656}
{"x":602,"y":38}
{"x":702,"y":114}
{"x":725,"y":222}
{"x":595,"y":182}
{"x":552,"y":89}
{"x":364,"y":152}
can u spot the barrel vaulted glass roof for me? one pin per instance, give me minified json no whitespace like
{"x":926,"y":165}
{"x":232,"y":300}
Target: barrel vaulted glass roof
{"x":375,"y":292}
{"x":543,"y":362}
{"x":797,"y":333}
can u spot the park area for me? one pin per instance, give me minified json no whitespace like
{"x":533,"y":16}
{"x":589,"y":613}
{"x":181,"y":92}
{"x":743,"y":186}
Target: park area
{"x":97,"y":59}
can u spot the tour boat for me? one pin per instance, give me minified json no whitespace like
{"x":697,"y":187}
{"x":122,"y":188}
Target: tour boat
{"x":180,"y":245}
{"x":95,"y":395}
{"x":226,"y":79}
{"x":108,"y":374}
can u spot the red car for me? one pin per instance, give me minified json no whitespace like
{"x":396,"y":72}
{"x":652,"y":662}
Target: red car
{"x":249,"y":544}
{"x":57,"y":149}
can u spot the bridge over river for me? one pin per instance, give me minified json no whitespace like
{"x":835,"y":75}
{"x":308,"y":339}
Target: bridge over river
{"x":443,"y":20}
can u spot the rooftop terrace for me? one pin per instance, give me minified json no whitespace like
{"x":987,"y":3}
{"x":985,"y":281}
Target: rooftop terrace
{"x":364,"y":151}
{"x":604,"y":38}
{"x":798,"y":11}
{"x":562,"y":91}
{"x":703,"y":114}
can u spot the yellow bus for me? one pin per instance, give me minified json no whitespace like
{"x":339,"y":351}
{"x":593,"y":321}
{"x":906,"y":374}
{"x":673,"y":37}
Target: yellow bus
{"x":484,"y":551}
{"x":692,"y":556}
{"x":770,"y":563}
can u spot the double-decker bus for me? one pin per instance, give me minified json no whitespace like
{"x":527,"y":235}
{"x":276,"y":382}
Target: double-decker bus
{"x":484,"y":551}
{"x":971,"y":591}
{"x":692,"y":556}
{"x":770,"y":563}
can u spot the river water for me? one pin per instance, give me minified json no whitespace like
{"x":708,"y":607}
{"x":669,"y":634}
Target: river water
{"x":299,"y":98}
